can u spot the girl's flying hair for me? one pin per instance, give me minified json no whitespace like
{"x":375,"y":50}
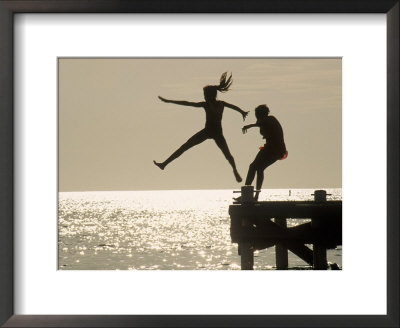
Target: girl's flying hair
{"x":224,"y":83}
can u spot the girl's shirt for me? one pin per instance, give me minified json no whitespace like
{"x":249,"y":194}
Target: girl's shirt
{"x":271,"y":130}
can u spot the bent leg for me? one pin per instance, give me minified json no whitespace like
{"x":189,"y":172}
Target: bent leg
{"x":254,"y":166}
{"x":260,"y":179}
{"x":268,"y":160}
{"x":198,"y":138}
{"x":221,"y":143}
{"x":260,"y":163}
{"x":251,"y":174}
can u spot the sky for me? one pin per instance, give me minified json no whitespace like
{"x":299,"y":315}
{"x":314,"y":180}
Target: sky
{"x":112,"y":124}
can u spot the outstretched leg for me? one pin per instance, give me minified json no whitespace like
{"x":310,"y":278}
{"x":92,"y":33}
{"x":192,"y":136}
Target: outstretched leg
{"x":199,"y":137}
{"x":221,"y":143}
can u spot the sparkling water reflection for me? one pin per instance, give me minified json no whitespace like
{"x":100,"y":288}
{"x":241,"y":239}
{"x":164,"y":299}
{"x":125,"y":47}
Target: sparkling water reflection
{"x":167,"y":230}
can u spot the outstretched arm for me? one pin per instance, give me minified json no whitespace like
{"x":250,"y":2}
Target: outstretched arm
{"x":182,"y":102}
{"x":246,"y":127}
{"x":236,"y":108}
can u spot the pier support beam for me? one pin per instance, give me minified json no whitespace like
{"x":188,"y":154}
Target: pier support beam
{"x":246,"y":256}
{"x":319,"y":257}
{"x":281,"y":252}
{"x":320,"y":261}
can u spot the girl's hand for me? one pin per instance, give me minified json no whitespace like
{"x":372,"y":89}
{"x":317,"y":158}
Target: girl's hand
{"x":244,"y":129}
{"x":244,"y":114}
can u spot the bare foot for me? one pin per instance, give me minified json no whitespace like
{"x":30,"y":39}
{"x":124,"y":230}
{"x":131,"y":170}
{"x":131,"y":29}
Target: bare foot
{"x":160,"y":165}
{"x":237,"y":176}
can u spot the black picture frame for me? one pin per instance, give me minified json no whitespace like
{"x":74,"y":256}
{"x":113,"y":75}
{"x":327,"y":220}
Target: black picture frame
{"x":10,"y":7}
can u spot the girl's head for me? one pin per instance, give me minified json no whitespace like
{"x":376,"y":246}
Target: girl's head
{"x":261,"y":111}
{"x":210,"y":91}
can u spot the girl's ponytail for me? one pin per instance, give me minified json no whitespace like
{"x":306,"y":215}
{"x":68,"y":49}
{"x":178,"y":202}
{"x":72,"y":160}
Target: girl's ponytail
{"x":224,"y":83}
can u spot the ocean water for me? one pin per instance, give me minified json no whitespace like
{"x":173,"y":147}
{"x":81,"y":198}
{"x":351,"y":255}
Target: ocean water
{"x":161,"y":230}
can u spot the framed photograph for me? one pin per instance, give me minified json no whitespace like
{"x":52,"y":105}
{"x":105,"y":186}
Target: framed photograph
{"x":119,"y":168}
{"x":178,"y":219}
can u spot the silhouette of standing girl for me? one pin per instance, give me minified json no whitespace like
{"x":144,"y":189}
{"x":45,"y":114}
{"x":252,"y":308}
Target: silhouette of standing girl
{"x":213,"y":129}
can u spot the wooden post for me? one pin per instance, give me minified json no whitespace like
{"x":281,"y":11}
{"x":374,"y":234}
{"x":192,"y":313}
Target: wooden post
{"x":319,"y":257}
{"x":281,"y":252}
{"x":247,"y":194}
{"x":247,"y":256}
{"x":320,"y":196}
{"x":320,"y":261}
{"x":246,"y":248}
{"x":246,"y":251}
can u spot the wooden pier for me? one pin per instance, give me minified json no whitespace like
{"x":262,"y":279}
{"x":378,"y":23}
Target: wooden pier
{"x":260,"y":225}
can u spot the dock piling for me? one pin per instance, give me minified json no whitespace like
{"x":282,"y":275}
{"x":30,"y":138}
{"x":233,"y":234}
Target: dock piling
{"x":247,"y":256}
{"x":320,"y":261}
{"x":247,"y":194}
{"x":281,"y":252}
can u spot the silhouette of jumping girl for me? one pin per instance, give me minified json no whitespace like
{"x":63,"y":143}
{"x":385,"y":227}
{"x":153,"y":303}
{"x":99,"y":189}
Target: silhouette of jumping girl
{"x":273,"y":150}
{"x":213,"y":129}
